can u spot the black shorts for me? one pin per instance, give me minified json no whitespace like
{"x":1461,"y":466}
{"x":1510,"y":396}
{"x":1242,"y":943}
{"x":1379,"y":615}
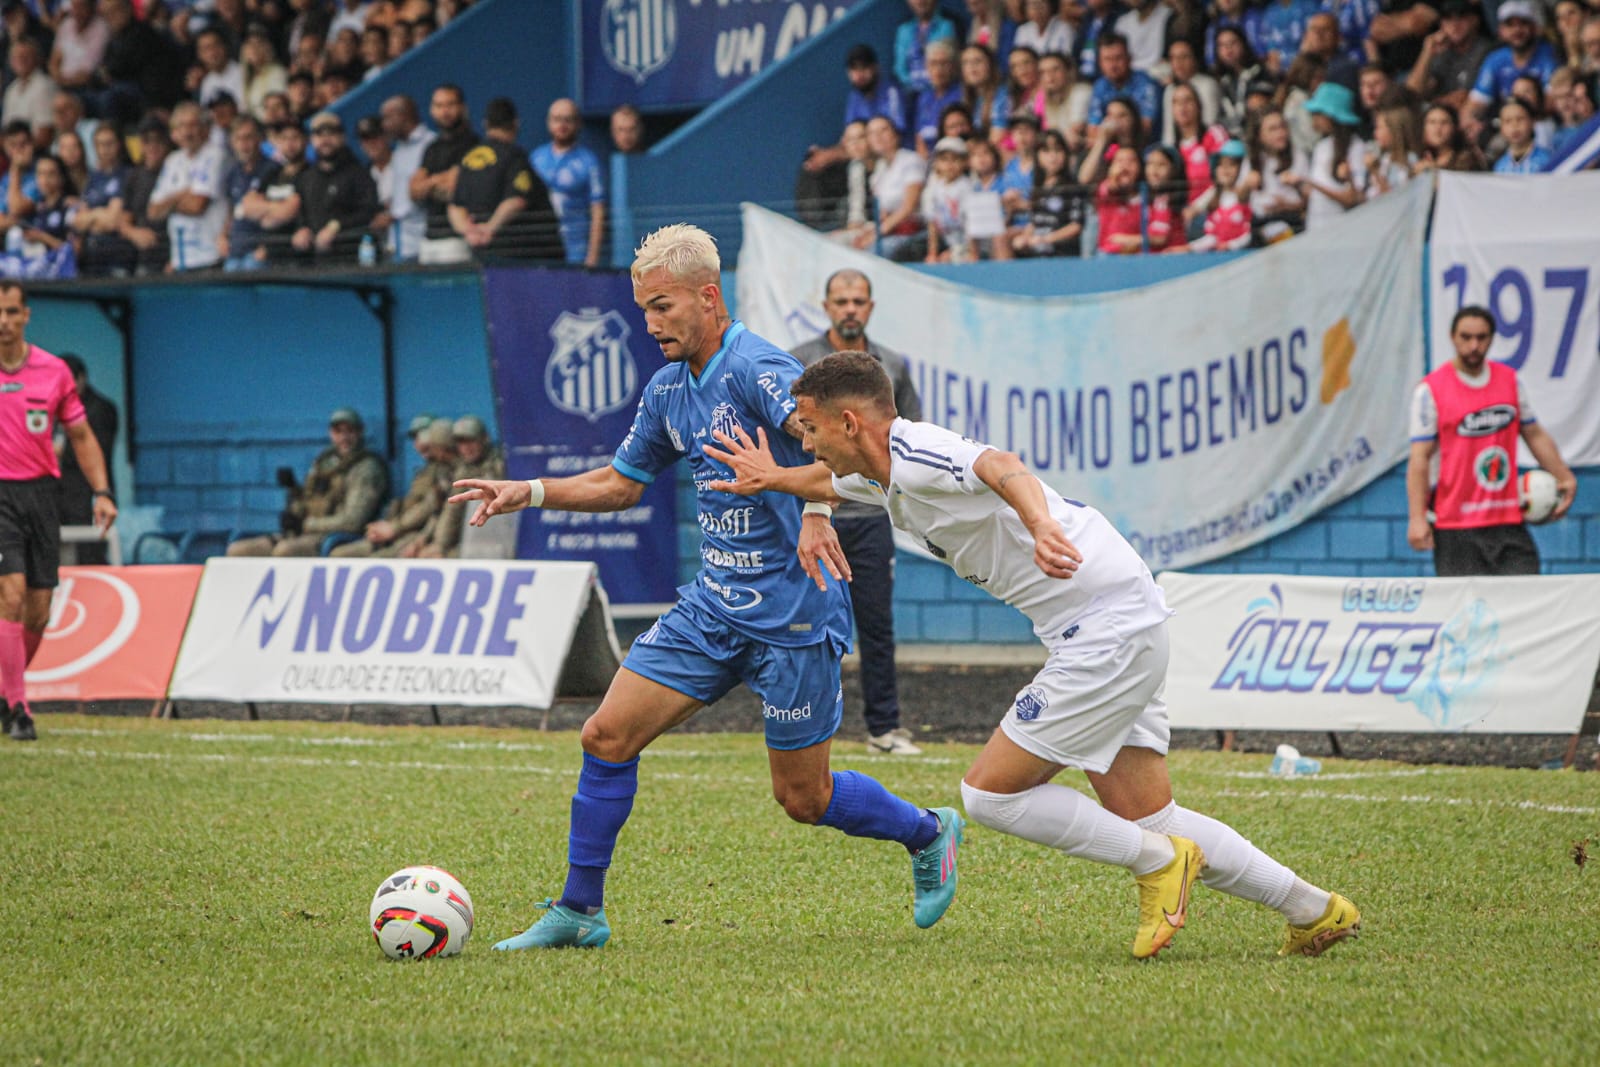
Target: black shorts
{"x":30,"y":530}
{"x":1485,"y":550}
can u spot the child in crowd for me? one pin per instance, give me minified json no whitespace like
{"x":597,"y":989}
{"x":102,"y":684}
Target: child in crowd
{"x":1392,"y":158}
{"x":1228,"y":217}
{"x":1521,"y":156}
{"x":1117,"y":206}
{"x":1444,"y":142}
{"x":1055,"y":222}
{"x":1016,"y":180}
{"x":1120,"y":128}
{"x":1168,"y":190}
{"x":1277,"y":206}
{"x":1196,"y":143}
{"x":944,"y":203}
{"x":983,"y":168}
{"x":1338,"y":162}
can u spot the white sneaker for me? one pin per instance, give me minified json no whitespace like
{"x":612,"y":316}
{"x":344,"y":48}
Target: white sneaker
{"x":893,"y":743}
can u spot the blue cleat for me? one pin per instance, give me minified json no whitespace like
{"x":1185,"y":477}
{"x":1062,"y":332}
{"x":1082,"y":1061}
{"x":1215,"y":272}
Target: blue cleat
{"x":934,"y":869}
{"x":561,"y":927}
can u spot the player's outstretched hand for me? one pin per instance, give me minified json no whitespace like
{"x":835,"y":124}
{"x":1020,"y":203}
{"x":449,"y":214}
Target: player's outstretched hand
{"x":496,"y":498}
{"x":1054,"y":554}
{"x":752,"y":461}
{"x":820,"y":550}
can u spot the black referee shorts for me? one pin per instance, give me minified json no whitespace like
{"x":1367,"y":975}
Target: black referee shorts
{"x":1502,"y":550}
{"x":30,"y":530}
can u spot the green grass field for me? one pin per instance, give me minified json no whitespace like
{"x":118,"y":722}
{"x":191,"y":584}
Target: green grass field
{"x":196,"y":892}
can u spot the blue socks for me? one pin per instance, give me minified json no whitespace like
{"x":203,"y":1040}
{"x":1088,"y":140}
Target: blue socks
{"x":599,"y":808}
{"x":861,"y":807}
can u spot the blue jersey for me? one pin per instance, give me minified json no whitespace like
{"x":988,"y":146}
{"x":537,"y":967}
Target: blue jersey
{"x":1500,"y":70}
{"x":573,"y":178}
{"x":750,"y":576}
{"x":1143,"y":90}
{"x":1534,"y":162}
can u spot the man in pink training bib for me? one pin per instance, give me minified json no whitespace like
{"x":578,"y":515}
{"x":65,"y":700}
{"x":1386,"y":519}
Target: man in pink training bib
{"x":36,"y":392}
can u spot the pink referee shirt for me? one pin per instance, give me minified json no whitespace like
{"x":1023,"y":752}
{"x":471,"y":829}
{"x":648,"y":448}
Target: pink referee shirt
{"x":33,"y":398}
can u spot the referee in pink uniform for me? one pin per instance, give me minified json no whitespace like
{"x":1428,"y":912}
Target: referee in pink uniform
{"x":36,"y":392}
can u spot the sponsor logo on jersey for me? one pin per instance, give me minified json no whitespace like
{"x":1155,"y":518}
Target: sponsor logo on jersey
{"x":11,"y":387}
{"x":1070,"y":632}
{"x":677,"y":438}
{"x":638,"y":37}
{"x":800,"y":714}
{"x":1030,"y":702}
{"x":38,"y":421}
{"x":591,"y":371}
{"x":734,"y":597}
{"x":1486,"y":421}
{"x":734,"y":522}
{"x":717,"y":557}
{"x":1493,"y":468}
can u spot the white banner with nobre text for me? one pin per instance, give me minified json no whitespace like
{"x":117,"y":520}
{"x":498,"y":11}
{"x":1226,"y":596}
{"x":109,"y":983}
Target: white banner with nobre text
{"x":462,"y":632}
{"x":1408,"y":655}
{"x":1201,"y":415}
{"x":1527,"y":247}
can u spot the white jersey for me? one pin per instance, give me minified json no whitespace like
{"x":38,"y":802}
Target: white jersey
{"x":934,"y":495}
{"x":194,"y":237}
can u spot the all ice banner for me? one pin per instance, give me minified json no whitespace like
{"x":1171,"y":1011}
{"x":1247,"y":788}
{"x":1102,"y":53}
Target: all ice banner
{"x":570,"y":357}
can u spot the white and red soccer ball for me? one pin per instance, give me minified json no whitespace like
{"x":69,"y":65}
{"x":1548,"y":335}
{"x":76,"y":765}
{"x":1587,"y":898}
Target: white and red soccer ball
{"x":1536,"y":490}
{"x":419,"y":913}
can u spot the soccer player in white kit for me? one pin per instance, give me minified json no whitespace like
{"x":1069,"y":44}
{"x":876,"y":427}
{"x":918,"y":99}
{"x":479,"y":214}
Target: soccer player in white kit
{"x":1096,"y":705}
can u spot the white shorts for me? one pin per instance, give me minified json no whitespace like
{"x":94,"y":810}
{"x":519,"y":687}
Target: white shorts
{"x":1087,"y":704}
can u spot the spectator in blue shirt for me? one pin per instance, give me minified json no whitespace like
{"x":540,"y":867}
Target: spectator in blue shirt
{"x":911,"y":41}
{"x":1283,"y":27}
{"x":871,"y":94}
{"x":1524,"y":53}
{"x":1522,"y":156}
{"x":1118,"y":78}
{"x":572,"y":175}
{"x":943,"y":90}
{"x":1235,"y":15}
{"x":1097,"y":20}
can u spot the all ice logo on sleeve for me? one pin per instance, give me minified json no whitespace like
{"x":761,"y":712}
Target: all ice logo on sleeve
{"x":725,"y":421}
{"x":591,"y":371}
{"x":639,"y":36}
{"x":1030,"y":702}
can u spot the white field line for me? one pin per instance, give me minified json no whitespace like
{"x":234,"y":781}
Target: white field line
{"x":1364,"y":798}
{"x":1332,"y":776}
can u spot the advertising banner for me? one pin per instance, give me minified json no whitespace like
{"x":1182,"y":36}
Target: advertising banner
{"x":669,"y":54}
{"x":1202,"y":415}
{"x":113,"y":634}
{"x":1481,"y":655}
{"x":571,"y":355}
{"x":484,"y":633}
{"x":1527,"y":248}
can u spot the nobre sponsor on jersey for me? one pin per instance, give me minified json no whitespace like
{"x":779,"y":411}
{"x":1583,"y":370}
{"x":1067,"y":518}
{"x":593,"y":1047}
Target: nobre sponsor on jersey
{"x":347,"y":608}
{"x":1487,"y":421}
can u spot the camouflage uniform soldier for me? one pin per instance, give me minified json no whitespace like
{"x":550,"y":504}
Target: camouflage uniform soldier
{"x":342,"y":493}
{"x":407,"y":517}
{"x":478,"y":458}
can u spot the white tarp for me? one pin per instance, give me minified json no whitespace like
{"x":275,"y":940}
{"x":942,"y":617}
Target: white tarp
{"x":474,"y":632}
{"x":1280,"y":652}
{"x":1202,"y":415}
{"x":1528,"y":248}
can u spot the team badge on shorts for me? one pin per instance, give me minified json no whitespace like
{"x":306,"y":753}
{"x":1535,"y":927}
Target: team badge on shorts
{"x":1030,"y":702}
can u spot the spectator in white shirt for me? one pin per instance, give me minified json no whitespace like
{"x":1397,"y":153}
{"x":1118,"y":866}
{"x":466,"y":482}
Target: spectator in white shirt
{"x":380,"y":157}
{"x":31,"y":93}
{"x":1338,"y":162}
{"x":1145,"y":27}
{"x":352,"y":15}
{"x":409,"y":139}
{"x":189,"y":195}
{"x":217,"y":71}
{"x":80,"y":45}
{"x":1042,"y":29}
{"x":897,"y":187}
{"x":260,"y":71}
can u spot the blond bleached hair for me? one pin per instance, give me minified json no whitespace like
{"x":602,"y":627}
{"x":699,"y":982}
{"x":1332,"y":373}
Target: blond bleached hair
{"x":687,"y":253}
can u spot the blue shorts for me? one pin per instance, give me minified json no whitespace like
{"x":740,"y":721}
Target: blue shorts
{"x":691,"y":652}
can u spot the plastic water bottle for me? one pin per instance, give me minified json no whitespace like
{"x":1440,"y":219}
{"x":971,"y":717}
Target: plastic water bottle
{"x":14,"y":241}
{"x":367,"y":254}
{"x":1288,"y":763}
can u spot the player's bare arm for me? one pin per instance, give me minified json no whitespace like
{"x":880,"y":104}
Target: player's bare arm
{"x":1014,"y":483}
{"x":602,"y":489}
{"x":93,"y":464}
{"x":1544,"y":449}
{"x":1419,"y":534}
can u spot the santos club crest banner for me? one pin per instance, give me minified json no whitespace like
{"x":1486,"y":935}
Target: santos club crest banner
{"x":1202,"y":415}
{"x":1278,"y":652}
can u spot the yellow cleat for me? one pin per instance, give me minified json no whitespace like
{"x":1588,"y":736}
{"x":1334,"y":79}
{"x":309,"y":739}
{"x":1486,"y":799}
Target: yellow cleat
{"x":1340,"y":921}
{"x":1164,"y":898}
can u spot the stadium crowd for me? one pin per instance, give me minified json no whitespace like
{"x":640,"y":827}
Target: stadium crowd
{"x":1017,"y":128}
{"x":150,"y":136}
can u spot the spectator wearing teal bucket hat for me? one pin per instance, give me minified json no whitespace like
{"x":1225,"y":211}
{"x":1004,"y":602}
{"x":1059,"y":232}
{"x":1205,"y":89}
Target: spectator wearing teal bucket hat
{"x":1338,"y":162}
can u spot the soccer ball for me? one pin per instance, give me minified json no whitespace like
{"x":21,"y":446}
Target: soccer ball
{"x":1536,"y":490}
{"x":420,"y":912}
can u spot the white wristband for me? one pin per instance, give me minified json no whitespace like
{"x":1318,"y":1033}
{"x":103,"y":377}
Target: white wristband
{"x":814,"y":507}
{"x":535,"y":493}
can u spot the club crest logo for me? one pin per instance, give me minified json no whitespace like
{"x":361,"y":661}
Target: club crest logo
{"x":1030,"y":702}
{"x":638,"y":37}
{"x":724,"y":420}
{"x":591,"y":371}
{"x":1493,"y":468}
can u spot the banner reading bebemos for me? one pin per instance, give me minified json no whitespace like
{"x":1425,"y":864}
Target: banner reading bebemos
{"x":483,"y":633}
{"x":571,"y":355}
{"x":1202,"y":415}
{"x":686,"y":53}
{"x":1415,"y":655}
{"x":1528,"y":248}
{"x":114,"y":633}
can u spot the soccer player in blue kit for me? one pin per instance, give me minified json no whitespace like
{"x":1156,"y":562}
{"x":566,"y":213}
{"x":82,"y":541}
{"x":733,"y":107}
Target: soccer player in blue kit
{"x":749,"y":615}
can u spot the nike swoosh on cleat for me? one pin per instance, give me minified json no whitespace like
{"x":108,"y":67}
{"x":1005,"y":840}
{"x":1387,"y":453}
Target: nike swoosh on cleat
{"x":1183,"y":899}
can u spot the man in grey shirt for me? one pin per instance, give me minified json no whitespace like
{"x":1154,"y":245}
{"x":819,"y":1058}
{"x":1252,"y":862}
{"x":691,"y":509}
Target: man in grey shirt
{"x":865,"y":532}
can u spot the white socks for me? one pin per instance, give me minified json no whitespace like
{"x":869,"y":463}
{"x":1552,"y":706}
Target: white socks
{"x":1065,"y":819}
{"x":1236,"y":867}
